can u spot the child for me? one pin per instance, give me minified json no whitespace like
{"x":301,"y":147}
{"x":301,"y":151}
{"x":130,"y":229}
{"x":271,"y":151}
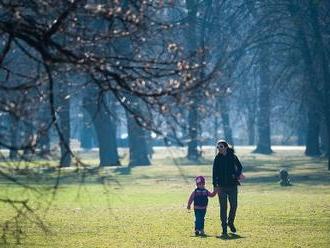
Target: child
{"x":200,"y":198}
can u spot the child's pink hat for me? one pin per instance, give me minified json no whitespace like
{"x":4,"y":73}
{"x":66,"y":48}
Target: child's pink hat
{"x":200,"y":179}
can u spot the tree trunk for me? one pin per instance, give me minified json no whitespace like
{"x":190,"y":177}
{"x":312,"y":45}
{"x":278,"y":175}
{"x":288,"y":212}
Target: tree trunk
{"x":86,"y":134}
{"x":64,"y":116}
{"x":138,"y":148}
{"x":226,"y":120}
{"x":301,"y":127}
{"x":328,"y":132}
{"x":3,"y":132}
{"x":263,"y":120}
{"x":191,"y":38}
{"x":43,"y":140}
{"x":216,"y":122}
{"x":251,"y":119}
{"x":13,"y":151}
{"x":313,"y":134}
{"x":150,"y":149}
{"x":314,"y":95}
{"x":323,"y":60}
{"x":44,"y":144}
{"x":193,"y":153}
{"x":62,"y":107}
{"x":105,"y":131}
{"x":323,"y":137}
{"x":28,"y":140}
{"x":215,"y":125}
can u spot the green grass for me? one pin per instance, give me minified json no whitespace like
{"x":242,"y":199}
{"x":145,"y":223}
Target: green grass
{"x":145,"y":206}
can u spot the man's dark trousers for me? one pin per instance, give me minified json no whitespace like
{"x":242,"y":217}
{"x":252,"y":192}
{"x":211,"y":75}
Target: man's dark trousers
{"x":227,"y":193}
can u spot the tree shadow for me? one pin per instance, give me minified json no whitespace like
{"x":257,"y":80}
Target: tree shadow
{"x":307,"y":179}
{"x":184,"y":161}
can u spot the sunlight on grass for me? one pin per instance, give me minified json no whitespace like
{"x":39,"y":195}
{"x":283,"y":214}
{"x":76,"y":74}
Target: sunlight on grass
{"x":145,"y":207}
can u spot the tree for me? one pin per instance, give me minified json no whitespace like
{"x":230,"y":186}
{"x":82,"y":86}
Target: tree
{"x":264,"y":105}
{"x":105,"y":129}
{"x":73,"y":38}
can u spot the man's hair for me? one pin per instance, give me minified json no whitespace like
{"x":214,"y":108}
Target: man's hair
{"x":225,"y":143}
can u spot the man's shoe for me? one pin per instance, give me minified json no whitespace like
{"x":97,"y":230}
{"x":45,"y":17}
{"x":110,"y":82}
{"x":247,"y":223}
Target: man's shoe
{"x":196,"y":233}
{"x":232,"y":227}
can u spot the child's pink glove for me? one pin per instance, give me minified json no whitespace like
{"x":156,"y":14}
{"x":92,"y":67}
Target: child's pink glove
{"x":241,"y":177}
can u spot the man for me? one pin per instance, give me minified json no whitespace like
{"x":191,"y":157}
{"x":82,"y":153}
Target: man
{"x":226,"y":172}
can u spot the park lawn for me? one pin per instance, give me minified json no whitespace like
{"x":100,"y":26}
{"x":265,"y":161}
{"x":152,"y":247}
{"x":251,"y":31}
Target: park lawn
{"x":145,"y":206}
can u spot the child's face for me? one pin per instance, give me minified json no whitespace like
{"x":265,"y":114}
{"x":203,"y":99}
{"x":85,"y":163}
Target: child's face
{"x":200,"y":185}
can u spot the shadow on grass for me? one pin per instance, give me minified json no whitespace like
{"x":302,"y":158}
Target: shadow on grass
{"x":97,"y":175}
{"x":230,"y":236}
{"x":308,"y":179}
{"x":183,"y":161}
{"x":201,"y":237}
{"x":123,"y":170}
{"x":302,"y":171}
{"x":275,"y":166}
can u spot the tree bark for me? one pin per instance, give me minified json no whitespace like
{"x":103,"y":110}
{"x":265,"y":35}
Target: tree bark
{"x":313,"y":134}
{"x":150,"y":149}
{"x":105,"y":131}
{"x":324,"y":137}
{"x":86,"y":134}
{"x":263,"y":120}
{"x":193,"y":153}
{"x":13,"y":151}
{"x":191,"y":37}
{"x":301,"y":126}
{"x":226,"y":120}
{"x":64,"y":116}
{"x":62,"y":108}
{"x":28,"y":140}
{"x":251,"y":119}
{"x":215,"y":125}
{"x":314,"y":94}
{"x":43,"y":139}
{"x":324,"y":62}
{"x":44,"y":144}
{"x":138,"y":148}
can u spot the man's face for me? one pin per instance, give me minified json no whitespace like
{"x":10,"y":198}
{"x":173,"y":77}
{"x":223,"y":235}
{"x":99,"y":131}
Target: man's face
{"x":221,"y":148}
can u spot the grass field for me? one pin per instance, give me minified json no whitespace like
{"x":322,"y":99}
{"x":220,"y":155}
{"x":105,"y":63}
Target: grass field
{"x":145,"y":206}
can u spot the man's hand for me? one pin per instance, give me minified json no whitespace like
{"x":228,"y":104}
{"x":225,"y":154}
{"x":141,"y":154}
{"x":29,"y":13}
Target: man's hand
{"x":188,"y":207}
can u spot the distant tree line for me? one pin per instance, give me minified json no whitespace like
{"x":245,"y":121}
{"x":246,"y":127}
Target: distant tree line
{"x":175,"y":68}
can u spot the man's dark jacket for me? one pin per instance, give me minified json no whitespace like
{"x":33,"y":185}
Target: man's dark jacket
{"x":226,"y":170}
